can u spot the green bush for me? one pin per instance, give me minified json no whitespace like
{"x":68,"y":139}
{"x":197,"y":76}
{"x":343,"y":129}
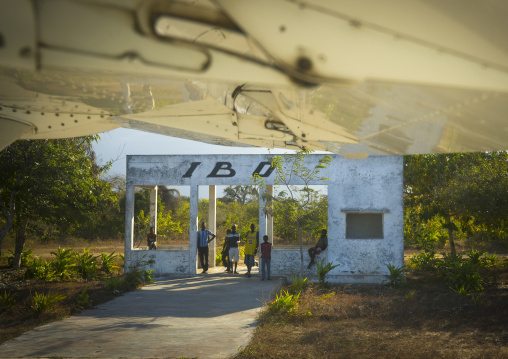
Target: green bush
{"x":489,"y":260}
{"x":136,"y":276}
{"x":424,"y":261}
{"x":26,"y":255}
{"x":63,"y":263}
{"x":86,"y":265}
{"x":39,"y":269}
{"x":284,"y":303}
{"x":218,"y":258}
{"x":322,"y":270}
{"x":108,"y":261}
{"x":83,"y":300}
{"x":462,"y":274}
{"x":396,"y":276}
{"x":7,"y":300}
{"x":114,"y":283}
{"x":45,"y":302}
{"x":298,"y":285}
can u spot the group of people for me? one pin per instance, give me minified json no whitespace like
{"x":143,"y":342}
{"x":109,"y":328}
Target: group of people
{"x":231,"y":253}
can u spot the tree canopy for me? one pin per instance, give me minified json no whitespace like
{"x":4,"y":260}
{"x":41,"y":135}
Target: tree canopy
{"x":51,"y":181}
{"x":465,"y":190}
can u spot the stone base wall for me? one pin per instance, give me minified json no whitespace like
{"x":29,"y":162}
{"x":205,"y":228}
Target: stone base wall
{"x":166,"y":262}
{"x":285,"y":263}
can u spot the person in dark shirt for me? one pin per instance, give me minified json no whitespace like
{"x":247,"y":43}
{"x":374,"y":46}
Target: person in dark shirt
{"x":266,"y":258}
{"x":234,"y":253}
{"x":225,"y":251}
{"x":320,"y":246}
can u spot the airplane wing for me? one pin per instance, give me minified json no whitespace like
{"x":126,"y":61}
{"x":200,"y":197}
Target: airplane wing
{"x":354,"y":77}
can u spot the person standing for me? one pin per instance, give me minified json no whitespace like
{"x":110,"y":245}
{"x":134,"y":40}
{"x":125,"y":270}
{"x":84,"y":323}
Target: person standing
{"x":320,"y":246}
{"x":203,"y":240}
{"x":266,"y":258}
{"x":151,"y":239}
{"x":234,"y":253}
{"x":251,"y":248}
{"x":225,"y":251}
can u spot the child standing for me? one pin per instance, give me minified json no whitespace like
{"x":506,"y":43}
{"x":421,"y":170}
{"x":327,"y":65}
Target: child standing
{"x":266,"y":258}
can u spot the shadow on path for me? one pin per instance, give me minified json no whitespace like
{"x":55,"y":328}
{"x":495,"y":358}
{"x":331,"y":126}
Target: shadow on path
{"x":206,"y":316}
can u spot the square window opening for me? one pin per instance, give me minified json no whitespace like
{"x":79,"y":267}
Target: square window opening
{"x":364,"y":226}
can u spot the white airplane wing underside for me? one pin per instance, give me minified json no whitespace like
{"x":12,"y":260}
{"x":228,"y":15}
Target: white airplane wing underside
{"x":352,"y":77}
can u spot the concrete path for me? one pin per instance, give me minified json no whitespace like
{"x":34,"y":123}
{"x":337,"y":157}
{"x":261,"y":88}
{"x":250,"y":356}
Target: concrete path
{"x":206,"y":316}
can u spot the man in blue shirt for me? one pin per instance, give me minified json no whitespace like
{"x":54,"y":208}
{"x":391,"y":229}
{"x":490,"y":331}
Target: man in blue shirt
{"x":203,"y":240}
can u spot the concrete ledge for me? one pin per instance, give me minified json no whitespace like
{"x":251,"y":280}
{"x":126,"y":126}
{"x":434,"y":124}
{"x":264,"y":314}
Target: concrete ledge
{"x":342,"y":279}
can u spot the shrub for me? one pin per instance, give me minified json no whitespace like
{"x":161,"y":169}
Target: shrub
{"x":114,"y":283}
{"x":218,"y":258}
{"x":83,"y":299}
{"x":40,"y":269}
{"x":137,"y":276}
{"x":147,"y":276}
{"x":108,"y":261}
{"x":285,"y":303}
{"x":62,"y":264}
{"x":45,"y":302}
{"x":396,"y":276}
{"x":7,"y":300}
{"x":86,"y":265}
{"x":460,"y":290}
{"x":322,"y":270}
{"x":462,"y":274}
{"x":26,"y":255}
{"x":425,"y":261}
{"x":298,"y":285}
{"x":488,"y":260}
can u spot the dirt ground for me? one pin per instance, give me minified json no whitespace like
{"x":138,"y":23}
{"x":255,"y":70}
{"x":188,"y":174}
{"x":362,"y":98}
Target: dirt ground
{"x":423,"y":319}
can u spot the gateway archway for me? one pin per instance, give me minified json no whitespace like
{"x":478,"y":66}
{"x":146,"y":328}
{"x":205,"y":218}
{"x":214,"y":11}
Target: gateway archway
{"x":365,"y":211}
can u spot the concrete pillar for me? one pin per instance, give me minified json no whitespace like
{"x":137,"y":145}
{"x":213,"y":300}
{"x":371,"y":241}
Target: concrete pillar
{"x":153,"y":208}
{"x":193,"y":229}
{"x":212,"y":226}
{"x":269,"y":217}
{"x":129,"y":225}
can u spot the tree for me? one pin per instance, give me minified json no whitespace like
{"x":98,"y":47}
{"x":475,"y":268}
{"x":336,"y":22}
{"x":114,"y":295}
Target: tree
{"x":313,"y":219}
{"x":240,"y":194}
{"x":424,"y":178}
{"x":289,"y":170}
{"x":117,"y":182}
{"x":56,"y":181}
{"x":170,"y":197}
{"x":480,"y":192}
{"x":457,"y":188}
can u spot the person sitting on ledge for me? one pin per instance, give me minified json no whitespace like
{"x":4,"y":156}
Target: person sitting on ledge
{"x":318,"y":248}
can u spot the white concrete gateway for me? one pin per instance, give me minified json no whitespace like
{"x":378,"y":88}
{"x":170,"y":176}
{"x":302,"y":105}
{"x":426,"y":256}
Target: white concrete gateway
{"x":365,"y":212}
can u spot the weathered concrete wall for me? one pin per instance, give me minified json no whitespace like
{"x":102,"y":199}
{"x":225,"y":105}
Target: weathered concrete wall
{"x":287,"y":261}
{"x":174,"y":262}
{"x":372,"y":185}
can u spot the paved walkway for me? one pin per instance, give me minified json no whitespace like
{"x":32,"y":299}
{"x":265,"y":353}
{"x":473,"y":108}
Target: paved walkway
{"x":206,"y":316}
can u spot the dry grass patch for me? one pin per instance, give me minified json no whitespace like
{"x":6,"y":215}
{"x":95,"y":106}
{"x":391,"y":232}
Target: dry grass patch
{"x":423,"y":319}
{"x":21,"y":318}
